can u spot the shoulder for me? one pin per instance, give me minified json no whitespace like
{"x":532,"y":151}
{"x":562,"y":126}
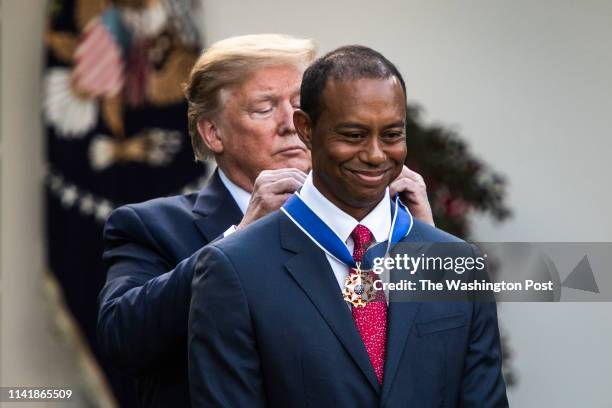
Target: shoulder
{"x":427,"y":233}
{"x":438,"y":240}
{"x":254,"y":246}
{"x":261,"y":235}
{"x":152,"y":215}
{"x":157,"y":206}
{"x":151,"y":209}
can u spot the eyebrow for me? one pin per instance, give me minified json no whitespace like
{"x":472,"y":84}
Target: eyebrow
{"x":264,"y":97}
{"x":341,"y":125}
{"x":268,"y":96}
{"x":350,"y":125}
{"x":399,"y":123}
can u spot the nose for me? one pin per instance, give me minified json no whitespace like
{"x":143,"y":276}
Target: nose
{"x":285,"y":119}
{"x":373,"y":152}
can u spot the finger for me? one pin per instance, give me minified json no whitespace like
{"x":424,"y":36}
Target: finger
{"x":284,"y":171}
{"x":405,"y":185}
{"x":410,"y":174}
{"x":273,"y":175}
{"x":268,"y":177}
{"x":287,"y":185}
{"x":282,"y":198}
{"x":276,"y":201}
{"x":293,"y":170}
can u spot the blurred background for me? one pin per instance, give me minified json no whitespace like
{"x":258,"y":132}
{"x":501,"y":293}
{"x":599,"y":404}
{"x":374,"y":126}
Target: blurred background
{"x":516,"y":94}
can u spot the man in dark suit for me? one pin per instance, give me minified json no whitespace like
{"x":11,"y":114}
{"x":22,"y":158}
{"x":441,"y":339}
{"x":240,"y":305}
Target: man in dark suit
{"x":268,"y":325}
{"x":241,"y":93}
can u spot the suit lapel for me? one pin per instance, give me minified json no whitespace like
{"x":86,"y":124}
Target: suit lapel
{"x":215,"y":209}
{"x":401,"y":317}
{"x":313,"y":274}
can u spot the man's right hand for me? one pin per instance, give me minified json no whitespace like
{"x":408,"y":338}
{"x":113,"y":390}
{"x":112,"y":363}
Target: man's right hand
{"x":271,"y":190}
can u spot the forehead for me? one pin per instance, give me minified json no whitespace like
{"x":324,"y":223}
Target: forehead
{"x":271,"y":80}
{"x":364,"y":97}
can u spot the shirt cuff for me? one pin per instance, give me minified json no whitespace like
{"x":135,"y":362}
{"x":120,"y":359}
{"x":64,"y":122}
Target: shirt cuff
{"x":229,"y":231}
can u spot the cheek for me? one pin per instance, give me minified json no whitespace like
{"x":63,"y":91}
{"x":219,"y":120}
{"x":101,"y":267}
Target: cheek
{"x":398,"y":153}
{"x":258,"y":134}
{"x":340,"y":153}
{"x":250,"y":127}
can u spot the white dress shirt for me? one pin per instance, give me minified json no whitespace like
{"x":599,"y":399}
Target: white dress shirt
{"x":240,"y":195}
{"x":378,"y":221}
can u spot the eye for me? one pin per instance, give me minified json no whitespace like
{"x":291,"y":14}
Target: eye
{"x":394,"y":135}
{"x":352,"y":135}
{"x":261,"y":113}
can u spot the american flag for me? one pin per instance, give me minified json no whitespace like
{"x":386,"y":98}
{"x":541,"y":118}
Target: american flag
{"x":99,"y":66}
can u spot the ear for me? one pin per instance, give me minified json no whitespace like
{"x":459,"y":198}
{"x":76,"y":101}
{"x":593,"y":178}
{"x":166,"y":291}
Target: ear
{"x":209,"y":132}
{"x":303,"y":127}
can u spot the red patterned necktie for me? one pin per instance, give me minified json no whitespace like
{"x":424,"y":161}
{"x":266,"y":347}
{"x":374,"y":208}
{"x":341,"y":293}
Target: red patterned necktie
{"x":371,"y":320}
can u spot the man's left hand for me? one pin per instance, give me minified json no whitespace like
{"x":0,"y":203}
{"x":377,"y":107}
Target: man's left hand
{"x":413,"y":192}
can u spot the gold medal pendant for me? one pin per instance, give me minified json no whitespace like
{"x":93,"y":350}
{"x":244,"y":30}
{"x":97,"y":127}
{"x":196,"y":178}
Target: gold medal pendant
{"x":359,"y":287}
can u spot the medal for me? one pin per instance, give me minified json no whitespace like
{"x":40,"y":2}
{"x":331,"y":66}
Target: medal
{"x":359,"y":287}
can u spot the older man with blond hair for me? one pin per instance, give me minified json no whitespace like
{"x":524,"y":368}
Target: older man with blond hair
{"x":242,"y":93}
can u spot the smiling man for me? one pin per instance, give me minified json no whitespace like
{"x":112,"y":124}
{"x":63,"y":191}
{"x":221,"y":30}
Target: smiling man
{"x":268,"y":324}
{"x":359,"y":144}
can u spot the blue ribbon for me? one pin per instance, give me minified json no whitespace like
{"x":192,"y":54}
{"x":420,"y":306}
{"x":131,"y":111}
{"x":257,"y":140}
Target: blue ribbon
{"x":322,"y":235}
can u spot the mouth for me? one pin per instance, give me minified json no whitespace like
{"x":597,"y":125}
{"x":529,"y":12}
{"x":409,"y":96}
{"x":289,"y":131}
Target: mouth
{"x":292,"y":151}
{"x":370,"y":177}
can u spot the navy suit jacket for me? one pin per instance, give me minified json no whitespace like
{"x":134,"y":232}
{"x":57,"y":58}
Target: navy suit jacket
{"x":268,"y":327}
{"x":150,"y":253}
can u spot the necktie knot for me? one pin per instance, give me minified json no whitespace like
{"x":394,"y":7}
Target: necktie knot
{"x":362,"y":237}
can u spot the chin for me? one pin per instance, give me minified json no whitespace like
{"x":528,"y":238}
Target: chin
{"x":364,"y":199}
{"x":298,"y":163}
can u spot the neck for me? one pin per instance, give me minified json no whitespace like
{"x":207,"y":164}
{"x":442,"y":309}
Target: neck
{"x":237,"y":177}
{"x":357,"y":213}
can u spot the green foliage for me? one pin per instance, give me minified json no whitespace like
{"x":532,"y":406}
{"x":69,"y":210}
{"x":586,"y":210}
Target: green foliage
{"x":457,"y":182}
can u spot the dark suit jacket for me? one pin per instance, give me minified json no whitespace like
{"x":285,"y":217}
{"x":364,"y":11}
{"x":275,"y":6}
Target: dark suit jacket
{"x":150,"y":252}
{"x":268,"y":327}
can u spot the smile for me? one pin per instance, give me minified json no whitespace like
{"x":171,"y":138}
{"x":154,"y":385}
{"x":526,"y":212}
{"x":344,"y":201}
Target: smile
{"x":370,"y":177}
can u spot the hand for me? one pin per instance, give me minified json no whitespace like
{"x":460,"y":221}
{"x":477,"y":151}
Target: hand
{"x":271,"y":190}
{"x":413,"y":192}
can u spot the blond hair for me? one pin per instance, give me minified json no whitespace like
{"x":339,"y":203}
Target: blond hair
{"x":230,"y":62}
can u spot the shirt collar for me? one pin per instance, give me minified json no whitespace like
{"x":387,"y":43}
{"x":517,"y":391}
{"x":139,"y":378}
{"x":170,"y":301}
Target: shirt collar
{"x":241,"y":196}
{"x":378,"y":221}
